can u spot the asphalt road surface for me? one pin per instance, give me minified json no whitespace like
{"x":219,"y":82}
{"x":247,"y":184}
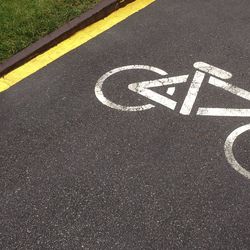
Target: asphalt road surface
{"x":77,"y":174}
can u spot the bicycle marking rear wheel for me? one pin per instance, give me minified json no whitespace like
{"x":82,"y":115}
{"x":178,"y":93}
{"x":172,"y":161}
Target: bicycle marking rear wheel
{"x":99,"y":85}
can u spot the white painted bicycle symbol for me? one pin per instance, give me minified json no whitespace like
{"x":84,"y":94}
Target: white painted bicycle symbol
{"x":217,"y":78}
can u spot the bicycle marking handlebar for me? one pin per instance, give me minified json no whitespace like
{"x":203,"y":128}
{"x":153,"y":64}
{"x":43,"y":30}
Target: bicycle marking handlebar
{"x":212,"y":70}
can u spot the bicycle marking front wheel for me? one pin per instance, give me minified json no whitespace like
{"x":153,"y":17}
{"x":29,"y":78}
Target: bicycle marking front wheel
{"x":229,"y":150}
{"x":99,"y":85}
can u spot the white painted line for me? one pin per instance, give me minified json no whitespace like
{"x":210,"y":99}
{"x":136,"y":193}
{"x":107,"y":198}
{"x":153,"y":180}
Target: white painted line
{"x":160,"y":82}
{"x":192,"y":93}
{"x":170,"y":91}
{"x":142,"y":89}
{"x":99,"y":85}
{"x":163,"y":100}
{"x":230,"y":88}
{"x":212,"y":70}
{"x":224,"y":112}
{"x":229,"y":150}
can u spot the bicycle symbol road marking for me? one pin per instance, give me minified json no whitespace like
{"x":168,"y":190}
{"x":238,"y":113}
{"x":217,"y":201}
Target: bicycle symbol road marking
{"x":217,"y":78}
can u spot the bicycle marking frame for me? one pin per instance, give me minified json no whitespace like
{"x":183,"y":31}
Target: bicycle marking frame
{"x":187,"y":106}
{"x":217,"y":77}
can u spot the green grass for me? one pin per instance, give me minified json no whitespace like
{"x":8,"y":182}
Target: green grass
{"x":23,"y":22}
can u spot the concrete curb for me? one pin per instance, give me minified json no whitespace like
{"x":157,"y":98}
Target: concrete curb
{"x":98,"y":12}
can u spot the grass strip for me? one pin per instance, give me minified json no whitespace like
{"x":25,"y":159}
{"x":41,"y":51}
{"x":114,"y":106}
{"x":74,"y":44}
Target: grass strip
{"x":23,"y":22}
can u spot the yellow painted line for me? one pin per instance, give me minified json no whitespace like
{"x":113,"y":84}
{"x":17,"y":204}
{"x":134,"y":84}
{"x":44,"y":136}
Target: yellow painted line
{"x":71,"y":43}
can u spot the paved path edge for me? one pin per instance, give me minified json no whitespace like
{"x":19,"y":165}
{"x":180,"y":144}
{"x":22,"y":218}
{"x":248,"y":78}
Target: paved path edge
{"x":98,"y":12}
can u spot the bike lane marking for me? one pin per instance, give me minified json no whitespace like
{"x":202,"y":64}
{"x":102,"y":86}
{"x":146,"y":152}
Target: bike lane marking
{"x":71,"y":43}
{"x":142,"y":88}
